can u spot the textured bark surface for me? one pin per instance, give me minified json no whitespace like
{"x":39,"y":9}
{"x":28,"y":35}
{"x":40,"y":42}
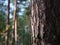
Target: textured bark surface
{"x":37,"y":21}
{"x":44,"y":20}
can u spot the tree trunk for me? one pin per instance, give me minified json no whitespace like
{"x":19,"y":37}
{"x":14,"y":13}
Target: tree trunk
{"x":7,"y":25}
{"x":43,"y":22}
{"x":37,"y":21}
{"x":14,"y":34}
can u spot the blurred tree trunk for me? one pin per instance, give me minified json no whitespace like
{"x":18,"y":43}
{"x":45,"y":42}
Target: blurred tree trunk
{"x":43,"y":22}
{"x":7,"y":24}
{"x":14,"y":34}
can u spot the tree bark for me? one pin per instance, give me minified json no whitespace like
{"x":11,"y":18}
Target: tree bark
{"x":37,"y":21}
{"x":43,"y":22}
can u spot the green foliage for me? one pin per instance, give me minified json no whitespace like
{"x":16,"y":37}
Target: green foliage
{"x":23,"y":30}
{"x":2,"y":21}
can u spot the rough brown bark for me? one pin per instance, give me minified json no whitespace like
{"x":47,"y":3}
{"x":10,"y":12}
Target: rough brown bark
{"x":37,"y":21}
{"x":43,"y":22}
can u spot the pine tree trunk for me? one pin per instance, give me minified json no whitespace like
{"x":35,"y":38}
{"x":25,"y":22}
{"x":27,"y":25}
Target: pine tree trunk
{"x":37,"y":21}
{"x":43,"y":22}
{"x":14,"y":34}
{"x":7,"y":25}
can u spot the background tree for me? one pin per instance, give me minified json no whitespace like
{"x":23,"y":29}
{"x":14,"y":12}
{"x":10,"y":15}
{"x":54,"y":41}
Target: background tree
{"x":7,"y":24}
{"x":22,"y":17}
{"x":14,"y":35}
